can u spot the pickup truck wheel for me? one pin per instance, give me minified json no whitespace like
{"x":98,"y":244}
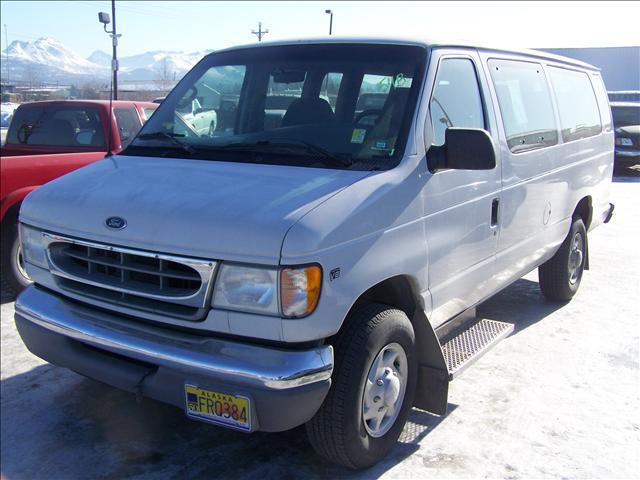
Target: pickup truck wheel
{"x":13,"y":271}
{"x":560,"y":276}
{"x":372,"y":391}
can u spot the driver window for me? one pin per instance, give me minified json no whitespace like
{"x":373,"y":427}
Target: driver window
{"x":456,"y":100}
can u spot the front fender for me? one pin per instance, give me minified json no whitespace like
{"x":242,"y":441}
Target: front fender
{"x":15,"y":198}
{"x":365,"y":234}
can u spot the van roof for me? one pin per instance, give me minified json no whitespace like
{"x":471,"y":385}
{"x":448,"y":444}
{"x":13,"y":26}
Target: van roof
{"x":427,"y":43}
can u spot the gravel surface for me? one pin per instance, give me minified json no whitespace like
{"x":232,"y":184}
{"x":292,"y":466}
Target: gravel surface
{"x":559,"y":398}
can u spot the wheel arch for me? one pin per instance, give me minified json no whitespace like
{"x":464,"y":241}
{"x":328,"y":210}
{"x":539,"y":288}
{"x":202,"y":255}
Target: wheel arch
{"x":401,"y":292}
{"x":584,"y":210}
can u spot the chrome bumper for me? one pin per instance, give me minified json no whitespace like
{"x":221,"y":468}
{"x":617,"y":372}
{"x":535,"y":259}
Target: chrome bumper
{"x":228,"y":361}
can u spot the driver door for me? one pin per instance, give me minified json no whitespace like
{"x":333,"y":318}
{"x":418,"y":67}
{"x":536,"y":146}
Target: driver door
{"x":461,"y":206}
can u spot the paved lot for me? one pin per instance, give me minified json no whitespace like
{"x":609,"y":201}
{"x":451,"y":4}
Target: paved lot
{"x":559,"y":398}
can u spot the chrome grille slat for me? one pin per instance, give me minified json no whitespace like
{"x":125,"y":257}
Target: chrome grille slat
{"x":125,"y":275}
{"x":129,"y":266}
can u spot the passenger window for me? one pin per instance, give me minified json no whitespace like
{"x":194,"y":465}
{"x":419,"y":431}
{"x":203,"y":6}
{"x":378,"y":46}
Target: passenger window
{"x":577,"y":105}
{"x":456,"y":100}
{"x":128,"y":124}
{"x":330,"y":87}
{"x":525,"y":104}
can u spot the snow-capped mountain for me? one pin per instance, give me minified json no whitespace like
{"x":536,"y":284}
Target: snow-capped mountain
{"x":50,"y":52}
{"x":48,"y":60}
{"x":100,"y":58}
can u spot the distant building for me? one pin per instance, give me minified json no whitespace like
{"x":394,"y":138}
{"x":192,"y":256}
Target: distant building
{"x":620,"y":65}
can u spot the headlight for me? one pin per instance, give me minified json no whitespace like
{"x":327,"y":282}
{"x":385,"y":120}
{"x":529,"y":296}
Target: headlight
{"x":247,"y":289}
{"x":627,"y":142}
{"x":33,"y":250}
{"x":300,"y":290}
{"x":258,"y":290}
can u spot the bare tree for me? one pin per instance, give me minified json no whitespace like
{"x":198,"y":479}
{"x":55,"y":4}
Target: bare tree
{"x":166,"y":76}
{"x":32,"y":76}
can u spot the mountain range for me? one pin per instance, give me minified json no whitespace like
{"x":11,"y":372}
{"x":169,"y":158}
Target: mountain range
{"x":47,"y":61}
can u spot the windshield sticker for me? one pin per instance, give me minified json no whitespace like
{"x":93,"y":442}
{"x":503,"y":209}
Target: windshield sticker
{"x":380,"y":145}
{"x":357,"y":136}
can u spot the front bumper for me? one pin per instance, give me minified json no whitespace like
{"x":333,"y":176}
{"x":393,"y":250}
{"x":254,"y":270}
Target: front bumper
{"x":286,"y":387}
{"x":627,"y":156}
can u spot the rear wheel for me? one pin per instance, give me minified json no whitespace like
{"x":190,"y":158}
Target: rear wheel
{"x":560,"y":276}
{"x":372,"y":391}
{"x":14,"y":274}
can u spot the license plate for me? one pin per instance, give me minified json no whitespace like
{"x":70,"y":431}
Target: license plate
{"x":219,"y":408}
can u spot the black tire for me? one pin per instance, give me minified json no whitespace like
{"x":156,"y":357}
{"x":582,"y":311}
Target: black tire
{"x":337,"y":431}
{"x":560,"y":276}
{"x":12,"y":273}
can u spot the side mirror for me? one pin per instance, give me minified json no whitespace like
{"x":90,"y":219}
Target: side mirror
{"x":463,"y":149}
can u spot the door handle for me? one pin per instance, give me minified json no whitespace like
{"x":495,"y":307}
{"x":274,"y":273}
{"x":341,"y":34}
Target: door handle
{"x":494,"y":212}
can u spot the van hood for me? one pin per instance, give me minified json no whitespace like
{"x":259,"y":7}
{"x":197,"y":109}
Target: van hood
{"x":206,"y":209}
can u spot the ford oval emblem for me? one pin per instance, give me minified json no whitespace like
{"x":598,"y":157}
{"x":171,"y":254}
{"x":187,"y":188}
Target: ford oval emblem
{"x":117,"y":223}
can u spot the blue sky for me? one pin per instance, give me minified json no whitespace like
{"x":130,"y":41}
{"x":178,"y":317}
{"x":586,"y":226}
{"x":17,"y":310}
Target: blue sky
{"x":192,"y":26}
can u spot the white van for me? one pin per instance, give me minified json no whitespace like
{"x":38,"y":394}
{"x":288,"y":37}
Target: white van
{"x":320,"y":263}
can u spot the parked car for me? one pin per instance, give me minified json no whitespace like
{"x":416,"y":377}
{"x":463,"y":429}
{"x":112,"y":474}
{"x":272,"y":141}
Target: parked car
{"x":626,"y":122}
{"x":47,"y":140}
{"x":6,"y":114}
{"x":325,"y":270}
{"x":624,"y":96}
{"x":202,"y":120}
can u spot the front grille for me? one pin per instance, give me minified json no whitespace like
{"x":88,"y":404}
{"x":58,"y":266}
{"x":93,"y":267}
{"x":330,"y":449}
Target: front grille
{"x":126,"y":271}
{"x":133,"y":278}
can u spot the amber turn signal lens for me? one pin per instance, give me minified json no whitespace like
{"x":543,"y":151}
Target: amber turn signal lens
{"x":300,"y":290}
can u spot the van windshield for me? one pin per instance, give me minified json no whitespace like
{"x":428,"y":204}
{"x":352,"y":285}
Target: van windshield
{"x":316,"y":105}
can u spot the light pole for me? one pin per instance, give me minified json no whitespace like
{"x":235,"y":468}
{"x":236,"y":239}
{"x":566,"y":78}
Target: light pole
{"x":330,"y":12}
{"x":6,"y":41}
{"x":103,"y":18}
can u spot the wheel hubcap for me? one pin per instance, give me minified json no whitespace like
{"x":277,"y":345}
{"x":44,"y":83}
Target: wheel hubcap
{"x":576,"y":256}
{"x":384,"y":390}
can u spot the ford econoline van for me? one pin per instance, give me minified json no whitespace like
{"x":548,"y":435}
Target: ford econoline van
{"x":316,"y":257}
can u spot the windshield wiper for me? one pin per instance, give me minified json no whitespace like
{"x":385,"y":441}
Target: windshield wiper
{"x":170,"y":136}
{"x":288,"y":143}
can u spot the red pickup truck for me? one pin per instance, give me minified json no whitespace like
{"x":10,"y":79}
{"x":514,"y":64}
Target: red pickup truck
{"x":47,"y":140}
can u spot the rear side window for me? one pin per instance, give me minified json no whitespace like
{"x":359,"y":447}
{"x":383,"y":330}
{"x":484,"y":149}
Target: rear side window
{"x":525,"y":104}
{"x":57,"y":125}
{"x":148,"y":111}
{"x":456,"y":100}
{"x":577,"y":105}
{"x":128,"y":124}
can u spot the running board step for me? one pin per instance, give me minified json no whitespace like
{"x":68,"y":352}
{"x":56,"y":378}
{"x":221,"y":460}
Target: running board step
{"x":471,"y":343}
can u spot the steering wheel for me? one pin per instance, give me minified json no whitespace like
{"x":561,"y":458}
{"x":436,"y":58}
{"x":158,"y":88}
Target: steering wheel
{"x":368,"y":113}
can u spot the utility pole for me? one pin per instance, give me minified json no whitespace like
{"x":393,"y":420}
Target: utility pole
{"x":6,"y":42}
{"x":259,"y":33}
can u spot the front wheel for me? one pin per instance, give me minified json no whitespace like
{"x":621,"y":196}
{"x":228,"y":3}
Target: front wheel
{"x":372,"y":391}
{"x":560,"y":276}
{"x":13,"y":270}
